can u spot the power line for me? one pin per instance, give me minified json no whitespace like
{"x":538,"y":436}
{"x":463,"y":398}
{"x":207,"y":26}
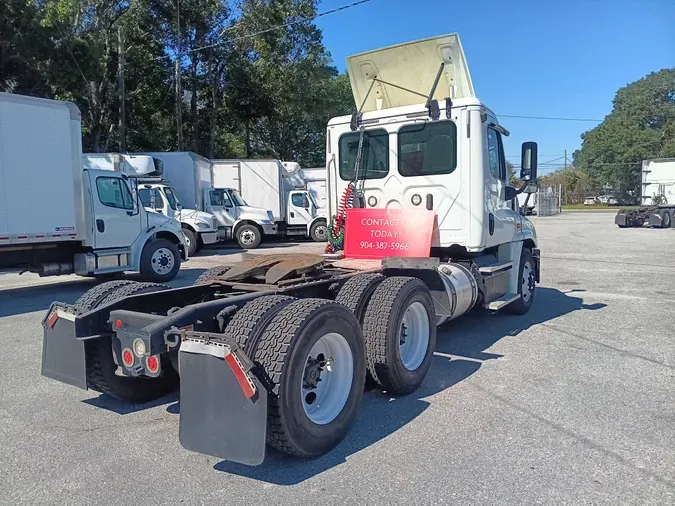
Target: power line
{"x":271,"y":29}
{"x":551,"y":118}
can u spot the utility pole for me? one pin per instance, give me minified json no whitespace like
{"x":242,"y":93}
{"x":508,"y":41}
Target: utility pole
{"x":120,"y":90}
{"x":179,"y":106}
{"x":565,"y":159}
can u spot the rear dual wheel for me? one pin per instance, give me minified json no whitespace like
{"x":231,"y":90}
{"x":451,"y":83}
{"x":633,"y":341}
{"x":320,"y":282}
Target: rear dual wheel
{"x":311,"y":357}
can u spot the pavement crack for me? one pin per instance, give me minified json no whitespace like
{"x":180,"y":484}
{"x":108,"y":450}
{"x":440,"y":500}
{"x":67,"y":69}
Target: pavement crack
{"x":608,"y":346}
{"x":574,"y":435}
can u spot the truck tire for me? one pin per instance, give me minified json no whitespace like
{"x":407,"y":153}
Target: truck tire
{"x":101,"y":366}
{"x":249,"y":236}
{"x":526,"y":285}
{"x":357,"y":291}
{"x":399,"y":329}
{"x":666,"y":219}
{"x":93,"y":297}
{"x":210,"y":274}
{"x":307,"y":417}
{"x":160,"y":261}
{"x":191,"y":240}
{"x":319,"y":231}
{"x":248,"y":324}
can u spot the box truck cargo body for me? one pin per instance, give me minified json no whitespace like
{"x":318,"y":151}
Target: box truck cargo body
{"x":279,"y":187}
{"x":60,"y":217}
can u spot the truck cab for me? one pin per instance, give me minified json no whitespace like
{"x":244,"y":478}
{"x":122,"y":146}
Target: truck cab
{"x":236,"y":219}
{"x":423,"y":140}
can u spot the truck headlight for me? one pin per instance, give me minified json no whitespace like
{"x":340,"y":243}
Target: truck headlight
{"x":202,"y":224}
{"x":266,"y":222}
{"x":270,"y":216}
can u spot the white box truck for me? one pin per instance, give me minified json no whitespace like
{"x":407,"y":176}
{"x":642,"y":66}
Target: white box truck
{"x":315,"y":179}
{"x":158,"y":196}
{"x":279,"y":187}
{"x":192,"y":176}
{"x":57,"y":217}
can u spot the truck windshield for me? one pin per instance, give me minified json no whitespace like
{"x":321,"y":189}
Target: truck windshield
{"x":237,"y":198}
{"x":374,"y":155}
{"x":171,"y":197}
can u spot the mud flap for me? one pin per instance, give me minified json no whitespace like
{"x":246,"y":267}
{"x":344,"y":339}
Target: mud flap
{"x":219,"y":416}
{"x":63,"y":357}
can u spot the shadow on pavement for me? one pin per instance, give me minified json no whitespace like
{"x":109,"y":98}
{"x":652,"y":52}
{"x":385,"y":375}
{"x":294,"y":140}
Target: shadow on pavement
{"x":381,"y":415}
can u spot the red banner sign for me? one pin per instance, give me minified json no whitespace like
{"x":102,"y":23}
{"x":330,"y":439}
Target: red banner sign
{"x":380,"y":233}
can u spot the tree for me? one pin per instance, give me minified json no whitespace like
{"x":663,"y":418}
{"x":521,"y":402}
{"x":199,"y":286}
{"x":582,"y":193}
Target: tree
{"x":640,"y":126}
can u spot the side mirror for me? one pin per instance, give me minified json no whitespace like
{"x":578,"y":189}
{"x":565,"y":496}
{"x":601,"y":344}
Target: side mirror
{"x":510,"y":193}
{"x":528,"y":162}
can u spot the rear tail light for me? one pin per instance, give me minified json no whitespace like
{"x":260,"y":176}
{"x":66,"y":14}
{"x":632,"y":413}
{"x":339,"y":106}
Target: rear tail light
{"x":152,"y":363}
{"x":127,"y":357}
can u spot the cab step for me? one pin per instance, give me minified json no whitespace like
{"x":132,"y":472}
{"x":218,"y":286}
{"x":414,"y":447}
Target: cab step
{"x":491,"y":270}
{"x":504,"y":300}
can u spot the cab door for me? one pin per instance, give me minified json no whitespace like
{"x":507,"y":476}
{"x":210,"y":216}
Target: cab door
{"x":116,"y":221}
{"x":501,"y":218}
{"x":299,"y":208}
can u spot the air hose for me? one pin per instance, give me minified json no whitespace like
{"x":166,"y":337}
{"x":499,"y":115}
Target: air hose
{"x":336,"y":230}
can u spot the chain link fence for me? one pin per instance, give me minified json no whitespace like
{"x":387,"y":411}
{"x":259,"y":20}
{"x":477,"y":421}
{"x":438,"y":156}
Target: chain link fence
{"x":548,"y":200}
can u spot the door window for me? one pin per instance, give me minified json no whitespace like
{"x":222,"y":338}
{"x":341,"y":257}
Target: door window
{"x":220,"y":198}
{"x":299,"y":200}
{"x":427,"y":149}
{"x":113,"y":192}
{"x":496,"y":155}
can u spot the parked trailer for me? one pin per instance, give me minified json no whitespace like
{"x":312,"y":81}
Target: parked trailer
{"x":657,"y":197}
{"x":275,"y":349}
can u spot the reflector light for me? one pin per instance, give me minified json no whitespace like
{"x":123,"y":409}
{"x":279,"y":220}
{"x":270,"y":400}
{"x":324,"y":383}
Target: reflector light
{"x":127,"y":357}
{"x":51,"y":321}
{"x":119,"y":324}
{"x":246,"y":384}
{"x":152,"y":362}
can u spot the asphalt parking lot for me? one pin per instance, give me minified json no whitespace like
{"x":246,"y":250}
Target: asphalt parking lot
{"x":574,"y":402}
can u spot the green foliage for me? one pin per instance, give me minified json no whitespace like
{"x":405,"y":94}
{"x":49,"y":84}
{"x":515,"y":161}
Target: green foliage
{"x":267,"y":95}
{"x":640,"y":126}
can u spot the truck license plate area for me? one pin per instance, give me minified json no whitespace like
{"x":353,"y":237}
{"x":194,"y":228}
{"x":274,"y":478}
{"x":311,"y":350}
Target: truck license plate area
{"x":63,"y":357}
{"x":219,"y":417}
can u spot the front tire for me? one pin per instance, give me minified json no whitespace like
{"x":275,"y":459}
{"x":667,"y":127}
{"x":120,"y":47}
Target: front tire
{"x":191,"y":240}
{"x":319,"y":231}
{"x":399,"y":329}
{"x":313,"y":358}
{"x":249,"y":236}
{"x":160,"y":261}
{"x":666,"y":220}
{"x":526,"y":285}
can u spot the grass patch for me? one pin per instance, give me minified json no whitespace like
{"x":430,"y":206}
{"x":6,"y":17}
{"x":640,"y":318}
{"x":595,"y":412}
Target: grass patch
{"x":597,"y":207}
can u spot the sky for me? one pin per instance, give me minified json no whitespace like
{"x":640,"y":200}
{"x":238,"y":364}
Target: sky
{"x":526,"y":58}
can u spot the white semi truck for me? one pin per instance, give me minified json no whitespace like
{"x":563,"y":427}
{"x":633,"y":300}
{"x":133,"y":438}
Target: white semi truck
{"x":279,"y":187}
{"x":158,"y":196}
{"x":275,"y":349}
{"x":58,"y":217}
{"x":193,"y":177}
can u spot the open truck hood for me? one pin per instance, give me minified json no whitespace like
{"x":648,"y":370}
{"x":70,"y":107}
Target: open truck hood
{"x":413,"y":65}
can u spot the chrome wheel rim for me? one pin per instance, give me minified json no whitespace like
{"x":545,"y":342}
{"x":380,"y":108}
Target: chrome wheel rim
{"x":414,"y":336}
{"x":321,"y":232}
{"x":327,"y":378}
{"x":247,"y":237}
{"x":527,"y":283}
{"x":162,"y":261}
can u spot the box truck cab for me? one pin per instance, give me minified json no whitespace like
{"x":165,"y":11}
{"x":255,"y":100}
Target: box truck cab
{"x":280,"y":188}
{"x":158,"y":196}
{"x":61,"y":217}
